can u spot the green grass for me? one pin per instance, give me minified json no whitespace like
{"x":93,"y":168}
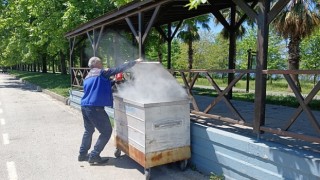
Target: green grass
{"x":280,"y":85}
{"x":57,"y":83}
{"x":216,"y":177}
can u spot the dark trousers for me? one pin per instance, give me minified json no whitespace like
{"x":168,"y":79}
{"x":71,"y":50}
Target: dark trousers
{"x":95,"y":117}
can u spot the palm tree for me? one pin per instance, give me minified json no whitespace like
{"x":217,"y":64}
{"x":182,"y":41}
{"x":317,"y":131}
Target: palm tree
{"x":295,"y":22}
{"x":241,"y":31}
{"x":189,"y":33}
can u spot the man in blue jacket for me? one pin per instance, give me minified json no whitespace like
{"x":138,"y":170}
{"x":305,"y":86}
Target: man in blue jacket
{"x":97,"y":95}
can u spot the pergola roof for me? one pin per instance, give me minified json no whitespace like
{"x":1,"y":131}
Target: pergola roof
{"x":170,"y":11}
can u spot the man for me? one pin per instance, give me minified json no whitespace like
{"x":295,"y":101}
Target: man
{"x":97,"y":95}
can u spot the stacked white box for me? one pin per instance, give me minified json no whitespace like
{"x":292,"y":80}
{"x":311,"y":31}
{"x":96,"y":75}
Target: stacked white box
{"x":153,"y":128}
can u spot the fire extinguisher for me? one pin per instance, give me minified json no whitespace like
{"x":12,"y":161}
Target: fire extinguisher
{"x":118,"y":79}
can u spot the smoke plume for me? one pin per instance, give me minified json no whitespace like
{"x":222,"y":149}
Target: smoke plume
{"x":151,"y":83}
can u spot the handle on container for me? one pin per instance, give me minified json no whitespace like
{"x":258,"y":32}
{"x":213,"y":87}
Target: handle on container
{"x":167,"y":124}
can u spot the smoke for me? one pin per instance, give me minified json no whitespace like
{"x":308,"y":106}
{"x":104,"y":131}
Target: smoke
{"x":151,"y":83}
{"x":148,"y":82}
{"x":114,"y":48}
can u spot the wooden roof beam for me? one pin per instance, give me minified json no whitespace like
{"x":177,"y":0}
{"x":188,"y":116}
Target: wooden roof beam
{"x":276,"y":10}
{"x":247,"y":9}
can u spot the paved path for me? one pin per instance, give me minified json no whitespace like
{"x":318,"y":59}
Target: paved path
{"x":40,"y":137}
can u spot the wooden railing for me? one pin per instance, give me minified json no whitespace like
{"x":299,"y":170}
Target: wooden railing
{"x":221,"y":93}
{"x":303,"y":106}
{"x":239,"y":74}
{"x":78,"y":74}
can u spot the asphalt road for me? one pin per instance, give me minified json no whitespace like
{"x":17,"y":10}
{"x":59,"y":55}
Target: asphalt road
{"x":40,"y":138}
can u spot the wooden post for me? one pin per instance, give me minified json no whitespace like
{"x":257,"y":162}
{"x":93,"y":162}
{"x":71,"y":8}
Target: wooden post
{"x":116,"y":49}
{"x":249,"y":66}
{"x":262,"y":54}
{"x":169,"y":40}
{"x":232,"y":47}
{"x":71,"y":46}
{"x":169,"y":37}
{"x":141,"y":33}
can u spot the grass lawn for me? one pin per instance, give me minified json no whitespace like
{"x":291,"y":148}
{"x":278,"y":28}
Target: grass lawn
{"x":57,"y":83}
{"x":280,"y":85}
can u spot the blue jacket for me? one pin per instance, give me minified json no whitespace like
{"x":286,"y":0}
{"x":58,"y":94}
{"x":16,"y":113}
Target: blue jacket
{"x":97,"y":85}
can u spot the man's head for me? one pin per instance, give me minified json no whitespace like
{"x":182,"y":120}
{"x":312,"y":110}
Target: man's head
{"x":95,"y":62}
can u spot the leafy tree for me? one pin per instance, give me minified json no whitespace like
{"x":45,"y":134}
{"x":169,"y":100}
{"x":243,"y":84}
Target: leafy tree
{"x":13,"y":32}
{"x":119,"y":3}
{"x":295,"y":22}
{"x":276,"y":53}
{"x":211,"y":52}
{"x":190,"y":32}
{"x":310,"y":53}
{"x":180,"y":62}
{"x":175,"y":53}
{"x":34,"y":29}
{"x":155,"y":47}
{"x":195,"y":3}
{"x":247,"y":42}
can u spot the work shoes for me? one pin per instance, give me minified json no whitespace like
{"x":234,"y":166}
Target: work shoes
{"x":83,"y":157}
{"x":97,"y":160}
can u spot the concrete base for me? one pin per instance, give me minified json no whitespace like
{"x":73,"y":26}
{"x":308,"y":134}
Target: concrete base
{"x":74,"y":101}
{"x":239,"y":157}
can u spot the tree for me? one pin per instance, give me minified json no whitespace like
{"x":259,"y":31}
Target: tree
{"x":119,"y":3}
{"x":295,"y":22}
{"x":195,"y":3}
{"x":190,"y":32}
{"x":310,"y":53}
{"x":155,"y":47}
{"x":276,"y":52}
{"x":14,"y":32}
{"x":211,"y":52}
{"x":34,"y":29}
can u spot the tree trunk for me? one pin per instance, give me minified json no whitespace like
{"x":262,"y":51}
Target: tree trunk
{"x":160,"y":55}
{"x":34,"y":66}
{"x":294,"y":60}
{"x":53,"y":66}
{"x":190,"y":58}
{"x":44,"y":63}
{"x":38,"y":66}
{"x":63,"y":63}
{"x":83,"y":57}
{"x":159,"y":50}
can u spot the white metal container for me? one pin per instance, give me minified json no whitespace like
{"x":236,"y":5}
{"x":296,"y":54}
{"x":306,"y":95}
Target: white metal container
{"x":153,"y":134}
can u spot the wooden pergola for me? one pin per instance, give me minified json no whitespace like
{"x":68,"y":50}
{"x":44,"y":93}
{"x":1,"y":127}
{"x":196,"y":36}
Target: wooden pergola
{"x":139,"y":17}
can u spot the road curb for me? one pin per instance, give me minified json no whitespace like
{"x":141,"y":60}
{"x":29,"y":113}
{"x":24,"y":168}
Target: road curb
{"x":50,"y":93}
{"x":56,"y":96}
